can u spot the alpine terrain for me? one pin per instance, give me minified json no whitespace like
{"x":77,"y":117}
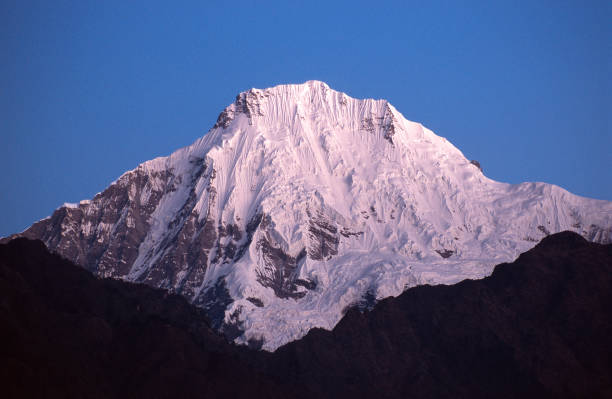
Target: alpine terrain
{"x":301,"y":203}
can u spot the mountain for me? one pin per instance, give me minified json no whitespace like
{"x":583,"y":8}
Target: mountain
{"x":539,"y":327}
{"x":301,"y":203}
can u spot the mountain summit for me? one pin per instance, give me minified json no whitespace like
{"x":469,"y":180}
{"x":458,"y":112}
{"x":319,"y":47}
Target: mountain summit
{"x":302,"y":202}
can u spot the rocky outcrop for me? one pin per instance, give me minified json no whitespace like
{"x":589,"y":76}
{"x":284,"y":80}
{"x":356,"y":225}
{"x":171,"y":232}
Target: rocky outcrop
{"x":385,"y":124}
{"x":103,"y":235}
{"x":476,"y":163}
{"x":445,"y":253}
{"x":279,"y":271}
{"x":246,"y":103}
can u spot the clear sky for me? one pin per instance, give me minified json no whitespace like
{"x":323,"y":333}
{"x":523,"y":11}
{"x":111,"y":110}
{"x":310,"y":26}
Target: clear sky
{"x":90,"y":89}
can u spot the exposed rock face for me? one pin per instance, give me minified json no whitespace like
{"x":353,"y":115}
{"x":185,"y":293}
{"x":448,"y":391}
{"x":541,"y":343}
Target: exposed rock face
{"x":323,"y":238}
{"x":103,"y":235}
{"x":299,"y":202}
{"x":246,"y":103}
{"x":279,"y":270}
{"x":384,"y":124}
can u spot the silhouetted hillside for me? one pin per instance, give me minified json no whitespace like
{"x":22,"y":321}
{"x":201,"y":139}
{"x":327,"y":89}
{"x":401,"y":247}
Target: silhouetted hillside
{"x":67,"y":334}
{"x":539,"y":327}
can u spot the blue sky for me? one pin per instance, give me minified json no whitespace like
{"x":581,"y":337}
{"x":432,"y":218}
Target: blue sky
{"x":91,"y":89}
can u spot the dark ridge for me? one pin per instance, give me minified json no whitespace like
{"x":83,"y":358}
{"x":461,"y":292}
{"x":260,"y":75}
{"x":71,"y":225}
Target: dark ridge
{"x":67,"y":334}
{"x":538,"y":327}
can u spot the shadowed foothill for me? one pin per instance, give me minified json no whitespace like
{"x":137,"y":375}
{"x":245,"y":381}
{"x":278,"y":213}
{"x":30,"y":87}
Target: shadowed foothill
{"x":540,"y":326}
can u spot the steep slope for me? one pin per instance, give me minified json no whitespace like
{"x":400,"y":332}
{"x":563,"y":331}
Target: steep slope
{"x":301,"y":202}
{"x":539,"y":327}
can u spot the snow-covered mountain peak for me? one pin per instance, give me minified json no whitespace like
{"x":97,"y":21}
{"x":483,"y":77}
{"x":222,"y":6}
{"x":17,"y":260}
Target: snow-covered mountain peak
{"x":284,"y":103}
{"x":288,"y":112}
{"x":301,"y":202}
